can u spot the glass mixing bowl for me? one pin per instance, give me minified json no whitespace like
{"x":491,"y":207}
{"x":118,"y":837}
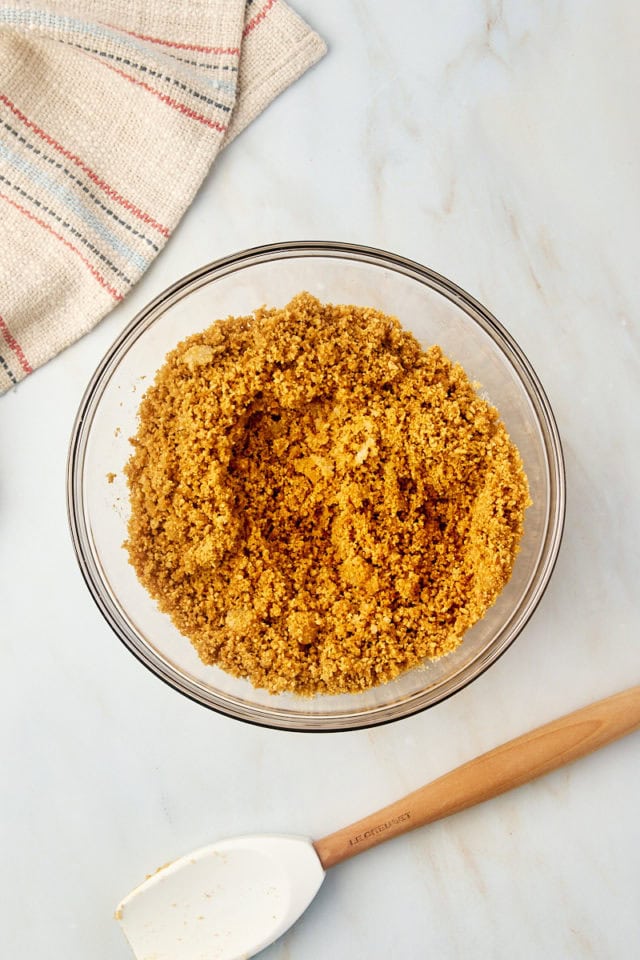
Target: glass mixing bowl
{"x":436,"y":311}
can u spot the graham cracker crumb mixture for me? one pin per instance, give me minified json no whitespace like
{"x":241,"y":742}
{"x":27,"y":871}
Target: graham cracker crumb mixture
{"x":318,"y":503}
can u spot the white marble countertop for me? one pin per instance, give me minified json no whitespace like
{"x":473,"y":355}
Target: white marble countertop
{"x":497,"y":143}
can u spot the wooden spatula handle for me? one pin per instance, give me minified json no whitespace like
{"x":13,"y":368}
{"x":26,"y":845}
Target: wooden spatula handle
{"x":491,"y":774}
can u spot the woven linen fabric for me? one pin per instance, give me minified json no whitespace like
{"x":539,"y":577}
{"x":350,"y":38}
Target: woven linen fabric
{"x":111,"y":113}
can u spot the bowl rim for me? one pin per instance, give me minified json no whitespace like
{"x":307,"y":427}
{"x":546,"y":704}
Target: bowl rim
{"x":274,"y":717}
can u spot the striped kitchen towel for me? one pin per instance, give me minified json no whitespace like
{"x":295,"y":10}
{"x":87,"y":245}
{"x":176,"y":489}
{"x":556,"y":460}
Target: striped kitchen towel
{"x":111,"y":113}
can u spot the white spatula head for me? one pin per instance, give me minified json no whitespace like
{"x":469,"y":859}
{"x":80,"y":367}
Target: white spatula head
{"x":223,"y":902}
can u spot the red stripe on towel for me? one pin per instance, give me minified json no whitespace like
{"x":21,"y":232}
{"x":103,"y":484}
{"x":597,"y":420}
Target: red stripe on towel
{"x":101,"y":280}
{"x":193,"y":114}
{"x":13,"y":344}
{"x":258,"y":17}
{"x":177,"y":46}
{"x":140,"y":214}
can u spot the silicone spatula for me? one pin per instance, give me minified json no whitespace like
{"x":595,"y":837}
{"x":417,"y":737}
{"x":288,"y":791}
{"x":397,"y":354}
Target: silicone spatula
{"x":230,"y":900}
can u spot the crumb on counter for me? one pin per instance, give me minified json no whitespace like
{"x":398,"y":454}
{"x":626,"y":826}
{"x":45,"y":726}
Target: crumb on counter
{"x":111,"y":476}
{"x":317,"y":502}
